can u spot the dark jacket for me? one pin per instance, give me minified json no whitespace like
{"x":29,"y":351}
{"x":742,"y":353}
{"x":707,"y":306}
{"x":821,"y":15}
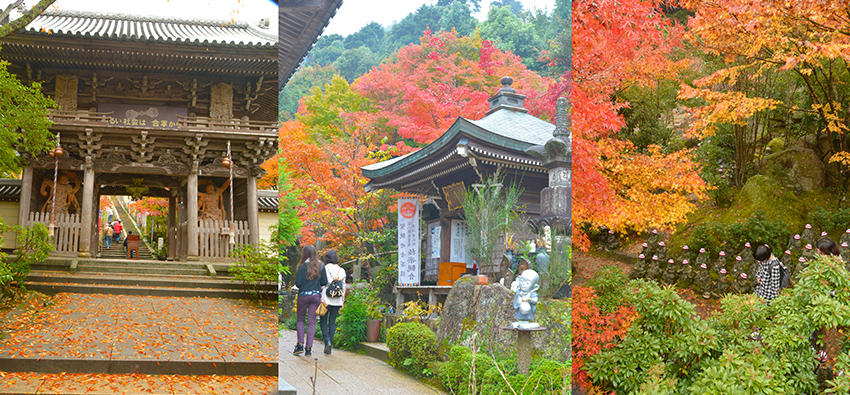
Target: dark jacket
{"x":315,"y":284}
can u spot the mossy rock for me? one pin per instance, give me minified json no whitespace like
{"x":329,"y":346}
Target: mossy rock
{"x":798,"y":167}
{"x":775,"y":145}
{"x":777,"y":201}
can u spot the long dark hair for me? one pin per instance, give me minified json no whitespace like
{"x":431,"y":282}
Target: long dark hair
{"x":314,"y":267}
{"x":828,"y":247}
{"x":330,"y":257}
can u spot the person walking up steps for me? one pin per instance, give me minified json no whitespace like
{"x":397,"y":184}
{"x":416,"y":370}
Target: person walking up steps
{"x":333,"y":295}
{"x":310,"y":277}
{"x":108,"y":233}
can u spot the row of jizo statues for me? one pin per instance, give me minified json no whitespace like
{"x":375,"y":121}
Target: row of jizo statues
{"x":210,"y":201}
{"x":725,"y":274}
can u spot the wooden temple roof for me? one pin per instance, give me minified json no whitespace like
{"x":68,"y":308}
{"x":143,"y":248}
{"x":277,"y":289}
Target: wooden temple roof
{"x":471,"y":148}
{"x":150,"y":29}
{"x":300,"y":23}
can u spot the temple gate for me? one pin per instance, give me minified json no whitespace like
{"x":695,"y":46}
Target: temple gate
{"x":183,"y":110}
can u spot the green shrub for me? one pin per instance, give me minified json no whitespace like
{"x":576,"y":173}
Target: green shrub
{"x":456,"y":375}
{"x":546,"y":377}
{"x":256,"y":267}
{"x":609,"y":283}
{"x":412,"y":346}
{"x":830,"y":220}
{"x":757,"y":229}
{"x":351,"y":323}
{"x":34,"y":245}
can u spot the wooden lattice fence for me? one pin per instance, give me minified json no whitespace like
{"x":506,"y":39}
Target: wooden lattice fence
{"x":66,"y":234}
{"x":215,"y":237}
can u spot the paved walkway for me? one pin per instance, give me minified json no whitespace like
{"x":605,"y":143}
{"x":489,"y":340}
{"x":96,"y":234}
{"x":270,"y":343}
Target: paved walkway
{"x":343,"y":372}
{"x":145,"y":331}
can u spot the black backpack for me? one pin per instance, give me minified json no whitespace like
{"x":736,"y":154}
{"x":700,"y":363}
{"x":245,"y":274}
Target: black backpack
{"x":783,"y":275}
{"x":335,"y":289}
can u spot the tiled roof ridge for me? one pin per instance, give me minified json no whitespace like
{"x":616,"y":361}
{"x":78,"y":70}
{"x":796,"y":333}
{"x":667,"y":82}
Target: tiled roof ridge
{"x":148,"y":18}
{"x":91,"y":24}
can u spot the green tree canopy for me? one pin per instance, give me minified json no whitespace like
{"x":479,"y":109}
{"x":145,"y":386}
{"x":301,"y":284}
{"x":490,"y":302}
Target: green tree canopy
{"x":458,"y":16}
{"x":371,"y":36}
{"x":510,"y":33}
{"x":355,"y":62}
{"x":304,"y":80}
{"x":410,"y":28}
{"x":23,"y":120}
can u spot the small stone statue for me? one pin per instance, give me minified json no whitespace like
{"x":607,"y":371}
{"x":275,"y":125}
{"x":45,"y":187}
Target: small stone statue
{"x":645,"y":249}
{"x":845,"y":254}
{"x":654,"y":270}
{"x":747,"y":253}
{"x":612,"y":243}
{"x":639,"y":270}
{"x":740,"y":285}
{"x":661,"y":251}
{"x":720,"y":264}
{"x":702,"y":282}
{"x":808,"y":252}
{"x":653,"y":238}
{"x":845,"y":238}
{"x":737,"y":268}
{"x":686,"y":254}
{"x":802,"y":265}
{"x":525,"y":299}
{"x":808,"y":235}
{"x":795,"y":243}
{"x":669,"y":276}
{"x":702,"y":258}
{"x":722,"y":286}
{"x":686,"y":275}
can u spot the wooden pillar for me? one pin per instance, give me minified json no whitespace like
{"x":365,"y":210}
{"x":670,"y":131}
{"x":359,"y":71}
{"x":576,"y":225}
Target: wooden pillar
{"x":172,"y":227}
{"x":253,"y":211}
{"x":26,"y":196}
{"x":86,"y":216}
{"x":192,"y":215}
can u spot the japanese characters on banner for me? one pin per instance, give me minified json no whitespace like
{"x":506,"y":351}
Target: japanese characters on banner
{"x":408,"y":242}
{"x":458,"y":246}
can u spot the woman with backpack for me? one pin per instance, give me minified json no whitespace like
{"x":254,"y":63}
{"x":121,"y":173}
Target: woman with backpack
{"x":333,"y":295}
{"x":768,"y":274}
{"x":310,"y":277}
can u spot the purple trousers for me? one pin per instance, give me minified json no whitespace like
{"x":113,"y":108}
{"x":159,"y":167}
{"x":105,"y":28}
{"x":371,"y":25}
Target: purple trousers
{"x":307,"y":306}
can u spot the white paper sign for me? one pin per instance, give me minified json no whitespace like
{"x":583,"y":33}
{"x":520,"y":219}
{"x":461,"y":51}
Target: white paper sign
{"x":458,"y":246}
{"x":408,"y":242}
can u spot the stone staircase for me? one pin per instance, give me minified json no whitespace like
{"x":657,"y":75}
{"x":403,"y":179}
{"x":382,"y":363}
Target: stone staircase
{"x":117,"y":250}
{"x":139,"y":277}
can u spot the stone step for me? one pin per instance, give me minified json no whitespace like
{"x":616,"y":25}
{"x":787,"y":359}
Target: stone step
{"x":146,"y":280}
{"x":51,"y":289}
{"x":142,"y":264}
{"x":376,"y":350}
{"x":135,"y":269}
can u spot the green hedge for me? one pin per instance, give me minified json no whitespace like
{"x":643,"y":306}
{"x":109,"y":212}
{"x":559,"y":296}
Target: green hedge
{"x":412,"y":347}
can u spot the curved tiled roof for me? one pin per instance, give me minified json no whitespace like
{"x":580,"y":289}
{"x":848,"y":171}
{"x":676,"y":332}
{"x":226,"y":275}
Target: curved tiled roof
{"x":80,"y":24}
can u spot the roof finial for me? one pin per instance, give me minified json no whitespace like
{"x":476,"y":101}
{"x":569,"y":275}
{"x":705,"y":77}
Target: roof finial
{"x":506,"y":84}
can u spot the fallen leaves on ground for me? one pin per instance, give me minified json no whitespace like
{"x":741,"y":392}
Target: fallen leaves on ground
{"x":136,"y":383}
{"x":122,"y":327}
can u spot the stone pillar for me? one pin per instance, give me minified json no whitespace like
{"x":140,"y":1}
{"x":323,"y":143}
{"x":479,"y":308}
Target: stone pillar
{"x":26,"y":196}
{"x":253,"y":211}
{"x":192,"y":214}
{"x":86,"y":205}
{"x":172,"y":227}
